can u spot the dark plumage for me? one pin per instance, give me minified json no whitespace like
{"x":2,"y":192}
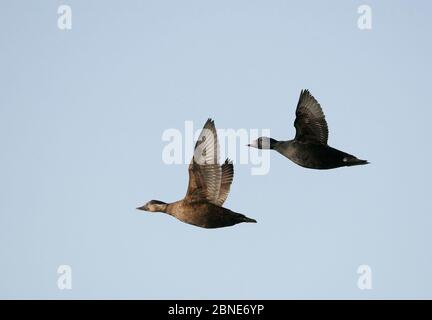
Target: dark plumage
{"x":209,"y":185}
{"x":309,"y":148}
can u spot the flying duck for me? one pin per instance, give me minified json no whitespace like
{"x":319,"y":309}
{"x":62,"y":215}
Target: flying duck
{"x":309,"y":148}
{"x":209,"y":185}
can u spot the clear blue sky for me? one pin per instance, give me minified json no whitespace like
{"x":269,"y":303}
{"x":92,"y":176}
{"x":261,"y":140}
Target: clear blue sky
{"x":82,"y":113}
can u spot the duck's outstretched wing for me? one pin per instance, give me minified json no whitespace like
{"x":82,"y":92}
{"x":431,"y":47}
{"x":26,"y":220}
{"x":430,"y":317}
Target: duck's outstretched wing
{"x":208,"y":180}
{"x":205,"y":173}
{"x":310,"y":123}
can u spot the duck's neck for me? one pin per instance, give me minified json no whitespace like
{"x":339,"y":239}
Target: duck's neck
{"x":273,"y":143}
{"x":173,"y":207}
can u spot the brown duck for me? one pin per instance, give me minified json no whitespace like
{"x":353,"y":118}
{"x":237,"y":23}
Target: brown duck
{"x":209,"y":185}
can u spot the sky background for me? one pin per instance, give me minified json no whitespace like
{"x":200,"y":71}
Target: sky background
{"x":82,"y":114}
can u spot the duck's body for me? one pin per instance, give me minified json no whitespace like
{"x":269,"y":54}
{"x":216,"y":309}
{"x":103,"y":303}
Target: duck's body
{"x":316,"y":156}
{"x":309,"y":148}
{"x":205,"y":214}
{"x":209,"y":185}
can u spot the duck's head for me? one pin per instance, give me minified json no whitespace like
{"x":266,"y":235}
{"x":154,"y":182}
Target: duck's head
{"x":263,"y":143}
{"x":154,"y":206}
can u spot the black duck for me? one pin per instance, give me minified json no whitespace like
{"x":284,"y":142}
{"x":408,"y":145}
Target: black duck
{"x":309,"y":148}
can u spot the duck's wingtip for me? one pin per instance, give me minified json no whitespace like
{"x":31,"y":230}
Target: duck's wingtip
{"x":209,"y":123}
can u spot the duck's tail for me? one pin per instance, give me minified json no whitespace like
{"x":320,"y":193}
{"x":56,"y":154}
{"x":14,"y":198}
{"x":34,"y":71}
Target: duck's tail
{"x":353,"y":161}
{"x":246,"y":219}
